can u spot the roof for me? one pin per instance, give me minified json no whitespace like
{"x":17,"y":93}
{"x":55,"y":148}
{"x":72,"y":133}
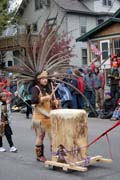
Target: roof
{"x":100,"y":27}
{"x":70,"y":6}
{"x":117,"y":14}
{"x":73,"y":5}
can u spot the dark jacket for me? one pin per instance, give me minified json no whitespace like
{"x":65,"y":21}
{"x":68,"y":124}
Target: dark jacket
{"x":114,"y":77}
{"x":109,"y":105}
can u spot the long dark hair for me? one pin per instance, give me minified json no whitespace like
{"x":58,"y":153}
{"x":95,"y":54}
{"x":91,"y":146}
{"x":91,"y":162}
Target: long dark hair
{"x":45,"y":89}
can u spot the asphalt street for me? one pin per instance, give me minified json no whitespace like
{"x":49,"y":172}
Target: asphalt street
{"x":23,"y":165}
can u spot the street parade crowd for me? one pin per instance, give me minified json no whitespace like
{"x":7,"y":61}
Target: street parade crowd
{"x":42,"y":95}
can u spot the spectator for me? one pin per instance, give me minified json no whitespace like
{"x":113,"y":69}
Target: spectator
{"x":65,"y":96}
{"x":5,"y":128}
{"x":74,"y":93}
{"x":26,"y":95}
{"x":108,"y":106}
{"x":114,"y":79}
{"x":98,"y":78}
{"x":116,"y":113}
{"x":89,"y":88}
{"x":81,"y":88}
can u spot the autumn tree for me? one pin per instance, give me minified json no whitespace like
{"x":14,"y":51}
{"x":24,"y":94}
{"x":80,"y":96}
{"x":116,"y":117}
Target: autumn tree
{"x":5,"y":15}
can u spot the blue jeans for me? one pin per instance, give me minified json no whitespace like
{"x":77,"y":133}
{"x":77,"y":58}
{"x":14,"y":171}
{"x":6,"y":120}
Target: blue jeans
{"x":74,"y":101}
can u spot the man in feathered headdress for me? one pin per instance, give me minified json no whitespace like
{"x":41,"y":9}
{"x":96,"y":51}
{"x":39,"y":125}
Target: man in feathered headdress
{"x":42,"y":100}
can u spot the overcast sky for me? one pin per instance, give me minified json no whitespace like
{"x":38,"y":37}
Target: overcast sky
{"x":15,"y":3}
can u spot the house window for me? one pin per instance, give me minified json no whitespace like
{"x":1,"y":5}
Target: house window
{"x":9,"y":63}
{"x":83,"y":25}
{"x":34,"y":27}
{"x":100,"y":21}
{"x":47,"y":3}
{"x":38,"y":4}
{"x":84,"y":56}
{"x":107,"y":2}
{"x":105,"y":49}
{"x":117,"y":47}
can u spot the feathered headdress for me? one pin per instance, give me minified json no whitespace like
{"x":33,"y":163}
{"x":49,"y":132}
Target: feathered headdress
{"x":50,"y":51}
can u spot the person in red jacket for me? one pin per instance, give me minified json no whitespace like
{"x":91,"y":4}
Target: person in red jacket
{"x":81,"y":87}
{"x":114,"y":77}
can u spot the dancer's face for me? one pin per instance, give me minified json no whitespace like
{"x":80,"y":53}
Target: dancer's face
{"x":43,"y":81}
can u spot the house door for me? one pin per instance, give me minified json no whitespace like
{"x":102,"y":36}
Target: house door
{"x":105,"y":50}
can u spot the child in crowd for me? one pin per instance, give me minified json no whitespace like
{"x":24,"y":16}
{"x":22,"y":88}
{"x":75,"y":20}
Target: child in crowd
{"x":5,"y":128}
{"x":116,"y":113}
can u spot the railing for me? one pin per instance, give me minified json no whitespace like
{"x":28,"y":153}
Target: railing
{"x":14,"y":42}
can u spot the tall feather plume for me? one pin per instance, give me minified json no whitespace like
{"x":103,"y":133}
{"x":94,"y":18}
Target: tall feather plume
{"x":50,"y":51}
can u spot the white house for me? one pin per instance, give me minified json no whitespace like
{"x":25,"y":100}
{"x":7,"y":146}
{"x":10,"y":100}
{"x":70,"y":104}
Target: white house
{"x":80,"y":17}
